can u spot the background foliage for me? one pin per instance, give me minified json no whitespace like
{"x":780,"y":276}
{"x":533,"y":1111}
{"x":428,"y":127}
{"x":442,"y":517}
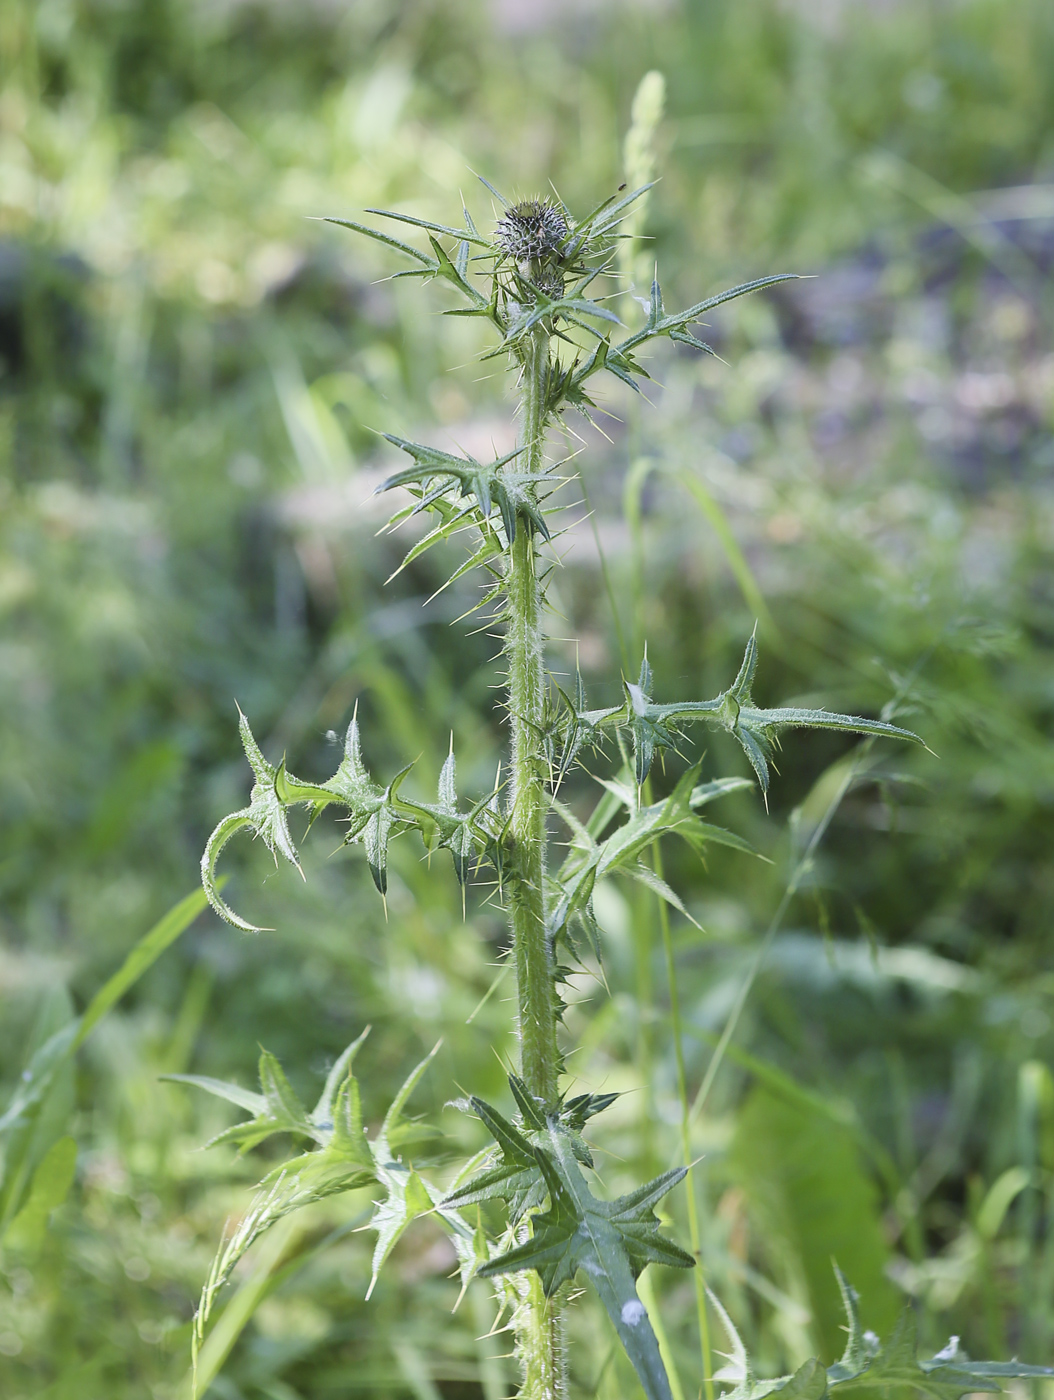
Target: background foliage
{"x":190,"y":378}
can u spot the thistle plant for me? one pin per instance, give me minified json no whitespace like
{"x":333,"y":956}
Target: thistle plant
{"x":546,"y":284}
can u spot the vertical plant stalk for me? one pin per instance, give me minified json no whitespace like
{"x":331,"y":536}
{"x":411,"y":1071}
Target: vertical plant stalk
{"x":538,"y":1325}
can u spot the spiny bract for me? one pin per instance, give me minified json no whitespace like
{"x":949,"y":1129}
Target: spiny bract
{"x":534,"y":229}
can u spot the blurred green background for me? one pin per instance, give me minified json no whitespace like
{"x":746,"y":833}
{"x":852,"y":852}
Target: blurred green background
{"x":192,"y":377}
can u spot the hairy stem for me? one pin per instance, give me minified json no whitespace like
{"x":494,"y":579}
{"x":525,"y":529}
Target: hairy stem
{"x":526,"y":705}
{"x":538,"y":1327}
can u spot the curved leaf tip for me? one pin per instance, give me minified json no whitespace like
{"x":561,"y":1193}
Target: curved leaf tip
{"x":216,"y":842}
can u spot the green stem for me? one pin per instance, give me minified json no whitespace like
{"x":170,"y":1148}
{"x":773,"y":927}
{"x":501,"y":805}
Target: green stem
{"x":538,"y":1327}
{"x":526,"y":703}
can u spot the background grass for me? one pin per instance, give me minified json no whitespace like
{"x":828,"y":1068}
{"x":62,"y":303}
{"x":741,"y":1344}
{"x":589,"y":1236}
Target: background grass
{"x":192,"y":375}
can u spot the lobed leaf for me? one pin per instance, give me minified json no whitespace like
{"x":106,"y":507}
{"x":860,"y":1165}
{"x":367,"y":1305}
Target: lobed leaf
{"x":653,"y":727}
{"x":408,"y":1195}
{"x":445,"y":268}
{"x":610,"y":1241}
{"x":490,"y":485}
{"x":589,"y":859}
{"x":866,"y":1363}
{"x":265,"y":814}
{"x":551,"y":308}
{"x":275,"y":1110}
{"x":516,"y":1179}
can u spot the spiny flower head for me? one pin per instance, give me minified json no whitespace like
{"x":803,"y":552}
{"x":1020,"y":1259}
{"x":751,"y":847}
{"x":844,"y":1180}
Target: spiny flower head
{"x":532,"y":231}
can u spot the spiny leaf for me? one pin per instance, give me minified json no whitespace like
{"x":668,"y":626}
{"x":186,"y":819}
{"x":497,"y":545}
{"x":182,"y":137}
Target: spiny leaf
{"x":809,"y":1382}
{"x":648,"y":733}
{"x":576,"y":1112}
{"x":739,"y":1368}
{"x":282,"y":1102}
{"x":393,"y":1118}
{"x":610,"y":1241}
{"x":351,"y":782}
{"x":469,"y":235}
{"x":496,"y":193}
{"x":546,"y":308}
{"x":445,"y":268}
{"x":233,"y":1093}
{"x":578,"y":726}
{"x":349,"y":1140}
{"x":490,"y":485}
{"x":266,"y":816}
{"x":756,"y":729}
{"x":896,"y":1364}
{"x":375,"y":824}
{"x":453,"y":521}
{"x":994,"y":1370}
{"x":374,"y":837}
{"x":517,"y":1178}
{"x":589,"y":859}
{"x":659,"y":323}
{"x":532,"y":1110}
{"x":457,"y":832}
{"x":275,"y":1110}
{"x":385,"y":238}
{"x":275,"y":790}
{"x":408,"y":1195}
{"x":654,"y":727}
{"x":344,"y":1160}
{"x":866,"y":1363}
{"x":603,"y":356}
{"x":407,"y":1198}
{"x":718,"y":787}
{"x":339,"y":1076}
{"x":670,"y":815}
{"x":858,"y":1352}
{"x":619,"y":360}
{"x":607,"y":216}
{"x":645,"y":875}
{"x":315,"y":1176}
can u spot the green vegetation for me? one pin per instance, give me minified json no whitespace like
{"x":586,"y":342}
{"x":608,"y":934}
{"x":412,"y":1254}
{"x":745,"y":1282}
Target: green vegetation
{"x":193,"y":377}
